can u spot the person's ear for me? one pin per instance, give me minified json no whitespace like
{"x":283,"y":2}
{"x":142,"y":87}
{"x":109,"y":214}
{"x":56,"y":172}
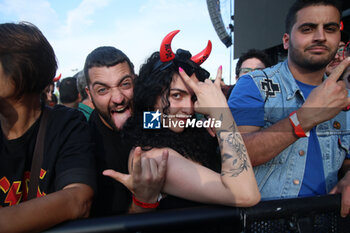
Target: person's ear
{"x":79,"y":98}
{"x":285,"y":41}
{"x":88,"y":92}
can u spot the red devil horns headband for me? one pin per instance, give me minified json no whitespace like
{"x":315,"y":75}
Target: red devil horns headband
{"x":166,"y":53}
{"x":57,"y":78}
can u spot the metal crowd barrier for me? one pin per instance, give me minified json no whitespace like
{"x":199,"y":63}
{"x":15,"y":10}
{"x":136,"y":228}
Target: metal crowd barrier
{"x":312,"y":214}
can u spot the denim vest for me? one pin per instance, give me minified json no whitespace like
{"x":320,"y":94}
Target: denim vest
{"x":282,"y":176}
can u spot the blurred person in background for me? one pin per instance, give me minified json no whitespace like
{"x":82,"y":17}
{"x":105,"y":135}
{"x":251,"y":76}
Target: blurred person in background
{"x":48,"y":96}
{"x":253,"y":59}
{"x":85,"y":106}
{"x":339,"y":56}
{"x":69,"y":95}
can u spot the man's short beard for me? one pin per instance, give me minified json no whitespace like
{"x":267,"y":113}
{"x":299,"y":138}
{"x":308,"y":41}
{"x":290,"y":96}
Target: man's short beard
{"x":308,"y":63}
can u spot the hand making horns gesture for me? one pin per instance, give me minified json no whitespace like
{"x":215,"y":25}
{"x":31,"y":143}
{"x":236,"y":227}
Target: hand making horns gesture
{"x":209,"y":95}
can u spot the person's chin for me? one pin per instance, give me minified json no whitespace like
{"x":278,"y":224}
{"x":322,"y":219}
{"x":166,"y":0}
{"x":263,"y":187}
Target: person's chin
{"x":177,"y":129}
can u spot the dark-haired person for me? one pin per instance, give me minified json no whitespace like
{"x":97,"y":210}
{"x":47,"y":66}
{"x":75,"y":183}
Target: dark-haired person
{"x":110,"y":78}
{"x":69,"y":94}
{"x":48,"y":97}
{"x":290,"y":115}
{"x":253,"y":59}
{"x":66,"y":175}
{"x":85,"y":106}
{"x":196,"y":172}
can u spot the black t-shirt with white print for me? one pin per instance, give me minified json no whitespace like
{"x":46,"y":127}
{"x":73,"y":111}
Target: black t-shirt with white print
{"x":67,"y":157}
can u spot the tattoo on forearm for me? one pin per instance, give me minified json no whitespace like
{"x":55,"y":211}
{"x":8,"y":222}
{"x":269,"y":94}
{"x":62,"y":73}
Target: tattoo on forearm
{"x":237,"y":154}
{"x":226,"y":157}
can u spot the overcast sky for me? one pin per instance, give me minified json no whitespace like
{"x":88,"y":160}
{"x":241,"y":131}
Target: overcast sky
{"x":76,"y":27}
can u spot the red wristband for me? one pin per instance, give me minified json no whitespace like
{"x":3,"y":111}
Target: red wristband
{"x":145,"y":205}
{"x":293,"y":118}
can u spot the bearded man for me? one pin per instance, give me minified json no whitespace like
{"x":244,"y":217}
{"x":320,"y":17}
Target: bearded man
{"x":290,"y":115}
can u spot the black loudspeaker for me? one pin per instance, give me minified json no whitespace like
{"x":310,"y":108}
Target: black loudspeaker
{"x":216,"y":19}
{"x":259,"y":24}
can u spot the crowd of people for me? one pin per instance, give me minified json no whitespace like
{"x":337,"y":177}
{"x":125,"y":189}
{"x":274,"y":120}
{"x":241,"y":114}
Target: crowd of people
{"x":283,"y":131}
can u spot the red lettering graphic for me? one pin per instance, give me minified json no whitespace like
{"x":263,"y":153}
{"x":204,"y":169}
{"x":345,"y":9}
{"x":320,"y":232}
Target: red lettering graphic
{"x":4,"y":184}
{"x":42,"y":173}
{"x":14,"y":195}
{"x":18,"y":191}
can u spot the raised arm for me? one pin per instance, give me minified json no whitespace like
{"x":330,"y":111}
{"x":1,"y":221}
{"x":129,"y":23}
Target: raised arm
{"x":38,"y":214}
{"x":264,"y":144}
{"x":236,"y":185}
